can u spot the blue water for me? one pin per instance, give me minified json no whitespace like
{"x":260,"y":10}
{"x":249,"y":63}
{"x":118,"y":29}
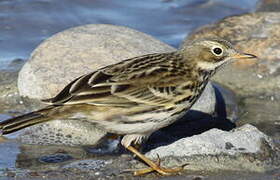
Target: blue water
{"x":26,"y":23}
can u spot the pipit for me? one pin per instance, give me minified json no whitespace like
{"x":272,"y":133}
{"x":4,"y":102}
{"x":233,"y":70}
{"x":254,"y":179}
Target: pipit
{"x":137,"y":96}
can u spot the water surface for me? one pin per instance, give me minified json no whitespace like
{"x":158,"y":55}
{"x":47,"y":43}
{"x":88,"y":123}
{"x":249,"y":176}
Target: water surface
{"x":24,"y":24}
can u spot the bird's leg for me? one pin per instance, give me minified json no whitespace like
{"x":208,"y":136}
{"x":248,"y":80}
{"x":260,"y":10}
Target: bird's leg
{"x":153,"y":166}
{"x":148,"y":169}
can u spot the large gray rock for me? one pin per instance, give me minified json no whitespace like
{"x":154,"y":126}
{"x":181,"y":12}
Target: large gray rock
{"x":66,"y":132}
{"x":243,"y":149}
{"x":256,"y":33}
{"x":75,"y":52}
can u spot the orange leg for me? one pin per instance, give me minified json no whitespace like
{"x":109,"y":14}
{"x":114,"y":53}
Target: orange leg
{"x":153,"y":166}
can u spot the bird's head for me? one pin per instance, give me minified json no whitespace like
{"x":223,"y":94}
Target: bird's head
{"x":210,"y":54}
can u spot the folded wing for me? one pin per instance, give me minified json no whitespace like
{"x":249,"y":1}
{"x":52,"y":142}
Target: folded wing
{"x":149,"y":79}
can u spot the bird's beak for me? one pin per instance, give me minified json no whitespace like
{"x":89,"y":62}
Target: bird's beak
{"x":244,"y":56}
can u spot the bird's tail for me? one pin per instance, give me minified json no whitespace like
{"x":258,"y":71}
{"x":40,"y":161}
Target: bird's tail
{"x":26,"y":120}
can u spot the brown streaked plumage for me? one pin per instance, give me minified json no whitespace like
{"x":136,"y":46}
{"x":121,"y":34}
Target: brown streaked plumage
{"x":137,"y":96}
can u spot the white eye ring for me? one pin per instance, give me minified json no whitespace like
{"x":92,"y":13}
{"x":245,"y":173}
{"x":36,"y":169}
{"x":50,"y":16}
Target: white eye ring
{"x":217,"y":51}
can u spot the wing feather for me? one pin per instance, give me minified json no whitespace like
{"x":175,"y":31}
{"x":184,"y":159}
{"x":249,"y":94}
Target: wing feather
{"x":135,"y":81}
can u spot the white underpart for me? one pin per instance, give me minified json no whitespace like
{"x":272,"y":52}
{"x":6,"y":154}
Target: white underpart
{"x":213,"y":66}
{"x":150,"y":125}
{"x":209,"y":65}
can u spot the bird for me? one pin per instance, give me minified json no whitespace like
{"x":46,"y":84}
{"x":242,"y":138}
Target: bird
{"x":137,"y":96}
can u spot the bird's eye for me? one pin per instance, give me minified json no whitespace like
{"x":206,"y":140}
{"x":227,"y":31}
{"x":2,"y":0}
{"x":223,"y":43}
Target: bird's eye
{"x":217,"y":51}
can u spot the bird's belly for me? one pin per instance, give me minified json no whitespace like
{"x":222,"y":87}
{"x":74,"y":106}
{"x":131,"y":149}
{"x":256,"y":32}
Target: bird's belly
{"x":141,"y":123}
{"x":122,"y":121}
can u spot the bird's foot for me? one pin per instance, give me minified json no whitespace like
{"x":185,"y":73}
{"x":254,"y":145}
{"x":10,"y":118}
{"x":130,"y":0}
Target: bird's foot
{"x":157,"y":167}
{"x":154,"y":166}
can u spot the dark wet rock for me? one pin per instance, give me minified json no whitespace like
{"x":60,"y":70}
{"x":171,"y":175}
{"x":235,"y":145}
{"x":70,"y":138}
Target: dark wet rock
{"x":37,"y":157}
{"x":78,"y":51}
{"x":268,"y":6}
{"x":55,"y":158}
{"x":242,"y":149}
{"x":255,"y":33}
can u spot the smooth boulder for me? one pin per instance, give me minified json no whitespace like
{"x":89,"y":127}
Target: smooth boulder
{"x":242,"y":149}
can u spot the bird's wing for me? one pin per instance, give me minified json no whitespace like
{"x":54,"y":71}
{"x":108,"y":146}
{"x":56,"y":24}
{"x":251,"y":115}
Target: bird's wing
{"x":149,"y":79}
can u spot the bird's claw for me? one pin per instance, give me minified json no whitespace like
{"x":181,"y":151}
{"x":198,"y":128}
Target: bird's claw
{"x":159,"y":169}
{"x":158,"y":160}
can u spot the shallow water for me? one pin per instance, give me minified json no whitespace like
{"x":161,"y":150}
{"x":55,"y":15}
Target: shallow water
{"x":24,"y":24}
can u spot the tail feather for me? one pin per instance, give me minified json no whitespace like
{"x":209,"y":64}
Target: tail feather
{"x":26,"y":120}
